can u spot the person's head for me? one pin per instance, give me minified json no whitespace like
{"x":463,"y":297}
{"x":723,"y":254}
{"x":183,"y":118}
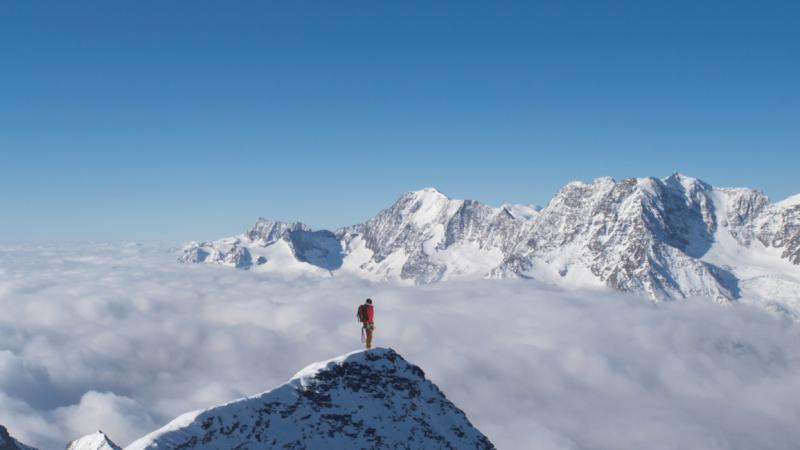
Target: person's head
{"x":369,"y":301}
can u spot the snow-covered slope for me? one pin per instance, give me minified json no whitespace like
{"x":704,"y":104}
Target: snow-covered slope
{"x":523,"y":212}
{"x":279,"y":247}
{"x":9,"y":443}
{"x":790,"y":201}
{"x":641,"y":235}
{"x":669,"y":238}
{"x":366,"y":399}
{"x":95,"y":441}
{"x":426,"y":237}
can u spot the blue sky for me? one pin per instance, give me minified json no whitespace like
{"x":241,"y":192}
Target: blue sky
{"x":188,"y":120}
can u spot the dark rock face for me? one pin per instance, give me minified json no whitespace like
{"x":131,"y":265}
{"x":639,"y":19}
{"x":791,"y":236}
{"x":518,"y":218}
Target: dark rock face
{"x":367,"y":400}
{"x":786,"y":235}
{"x":9,"y":443}
{"x":635,"y":235}
{"x":268,"y":231}
{"x":319,"y":248}
{"x":239,"y":257}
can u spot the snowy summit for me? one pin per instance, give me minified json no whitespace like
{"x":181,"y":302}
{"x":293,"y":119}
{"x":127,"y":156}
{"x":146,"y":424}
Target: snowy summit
{"x":365,"y":399}
{"x":9,"y":443}
{"x":95,"y":441}
{"x":671,"y":238}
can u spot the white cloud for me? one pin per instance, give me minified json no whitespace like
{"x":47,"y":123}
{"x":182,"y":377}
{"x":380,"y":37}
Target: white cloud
{"x":120,"y":417}
{"x":120,"y":337}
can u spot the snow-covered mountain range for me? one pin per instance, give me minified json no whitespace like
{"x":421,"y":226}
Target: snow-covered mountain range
{"x":669,"y":238}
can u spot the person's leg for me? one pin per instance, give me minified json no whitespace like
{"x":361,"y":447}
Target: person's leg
{"x":369,"y":337}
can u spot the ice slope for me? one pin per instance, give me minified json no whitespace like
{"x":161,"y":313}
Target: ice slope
{"x":95,"y":441}
{"x":365,"y":399}
{"x":760,"y":272}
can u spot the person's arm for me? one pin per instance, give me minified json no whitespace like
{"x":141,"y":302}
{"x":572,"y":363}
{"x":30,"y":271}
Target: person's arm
{"x":370,"y":315}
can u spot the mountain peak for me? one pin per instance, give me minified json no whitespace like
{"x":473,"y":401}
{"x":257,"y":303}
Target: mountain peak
{"x":364,"y":399}
{"x":790,"y":201}
{"x":94,"y":441}
{"x":268,"y":230}
{"x":679,"y":176}
{"x":428,"y":193}
{"x":688,"y":183}
{"x":605,"y":180}
{"x":375,"y":357}
{"x":665,"y":238}
{"x":9,"y":443}
{"x":425,"y":206}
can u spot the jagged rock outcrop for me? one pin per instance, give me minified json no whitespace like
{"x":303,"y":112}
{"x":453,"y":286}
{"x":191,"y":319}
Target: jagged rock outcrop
{"x":424,"y":235}
{"x":370,"y":399}
{"x":640,"y":235}
{"x":318,"y":248}
{"x":95,"y":441}
{"x":9,"y":443}
{"x":670,"y":238}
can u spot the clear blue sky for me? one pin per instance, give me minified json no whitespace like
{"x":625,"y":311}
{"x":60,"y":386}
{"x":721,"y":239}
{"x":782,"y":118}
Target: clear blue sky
{"x":188,"y":120}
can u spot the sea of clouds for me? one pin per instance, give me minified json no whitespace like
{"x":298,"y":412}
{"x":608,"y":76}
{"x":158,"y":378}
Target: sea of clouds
{"x":121,"y":337}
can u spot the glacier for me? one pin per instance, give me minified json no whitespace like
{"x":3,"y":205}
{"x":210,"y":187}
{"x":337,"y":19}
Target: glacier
{"x":665,"y":239}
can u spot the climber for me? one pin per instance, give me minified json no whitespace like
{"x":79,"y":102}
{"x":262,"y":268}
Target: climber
{"x":365,"y":315}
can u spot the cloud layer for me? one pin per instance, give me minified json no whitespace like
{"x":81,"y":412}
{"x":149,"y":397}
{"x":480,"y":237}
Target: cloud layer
{"x":121,"y":338}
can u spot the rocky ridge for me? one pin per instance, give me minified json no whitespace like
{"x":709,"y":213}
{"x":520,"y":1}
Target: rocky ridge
{"x":671,"y":238}
{"x":367,"y":399}
{"x":370,"y":399}
{"x":9,"y":443}
{"x":95,"y":441}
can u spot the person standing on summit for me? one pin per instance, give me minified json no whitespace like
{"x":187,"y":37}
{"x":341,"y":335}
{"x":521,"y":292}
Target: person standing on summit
{"x":366,"y":315}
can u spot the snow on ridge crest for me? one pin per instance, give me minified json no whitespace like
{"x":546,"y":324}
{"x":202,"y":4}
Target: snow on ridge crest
{"x":368,"y":398}
{"x":94,"y":441}
{"x":376,"y":356}
{"x":428,"y":193}
{"x":789,"y":202}
{"x":658,"y":237}
{"x":7,"y":442}
{"x":269,"y":231}
{"x":428,"y":205}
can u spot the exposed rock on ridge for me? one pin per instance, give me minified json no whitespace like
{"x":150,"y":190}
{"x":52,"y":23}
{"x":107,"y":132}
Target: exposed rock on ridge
{"x":368,"y":399}
{"x":668,"y":238}
{"x":9,"y":443}
{"x":95,"y":441}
